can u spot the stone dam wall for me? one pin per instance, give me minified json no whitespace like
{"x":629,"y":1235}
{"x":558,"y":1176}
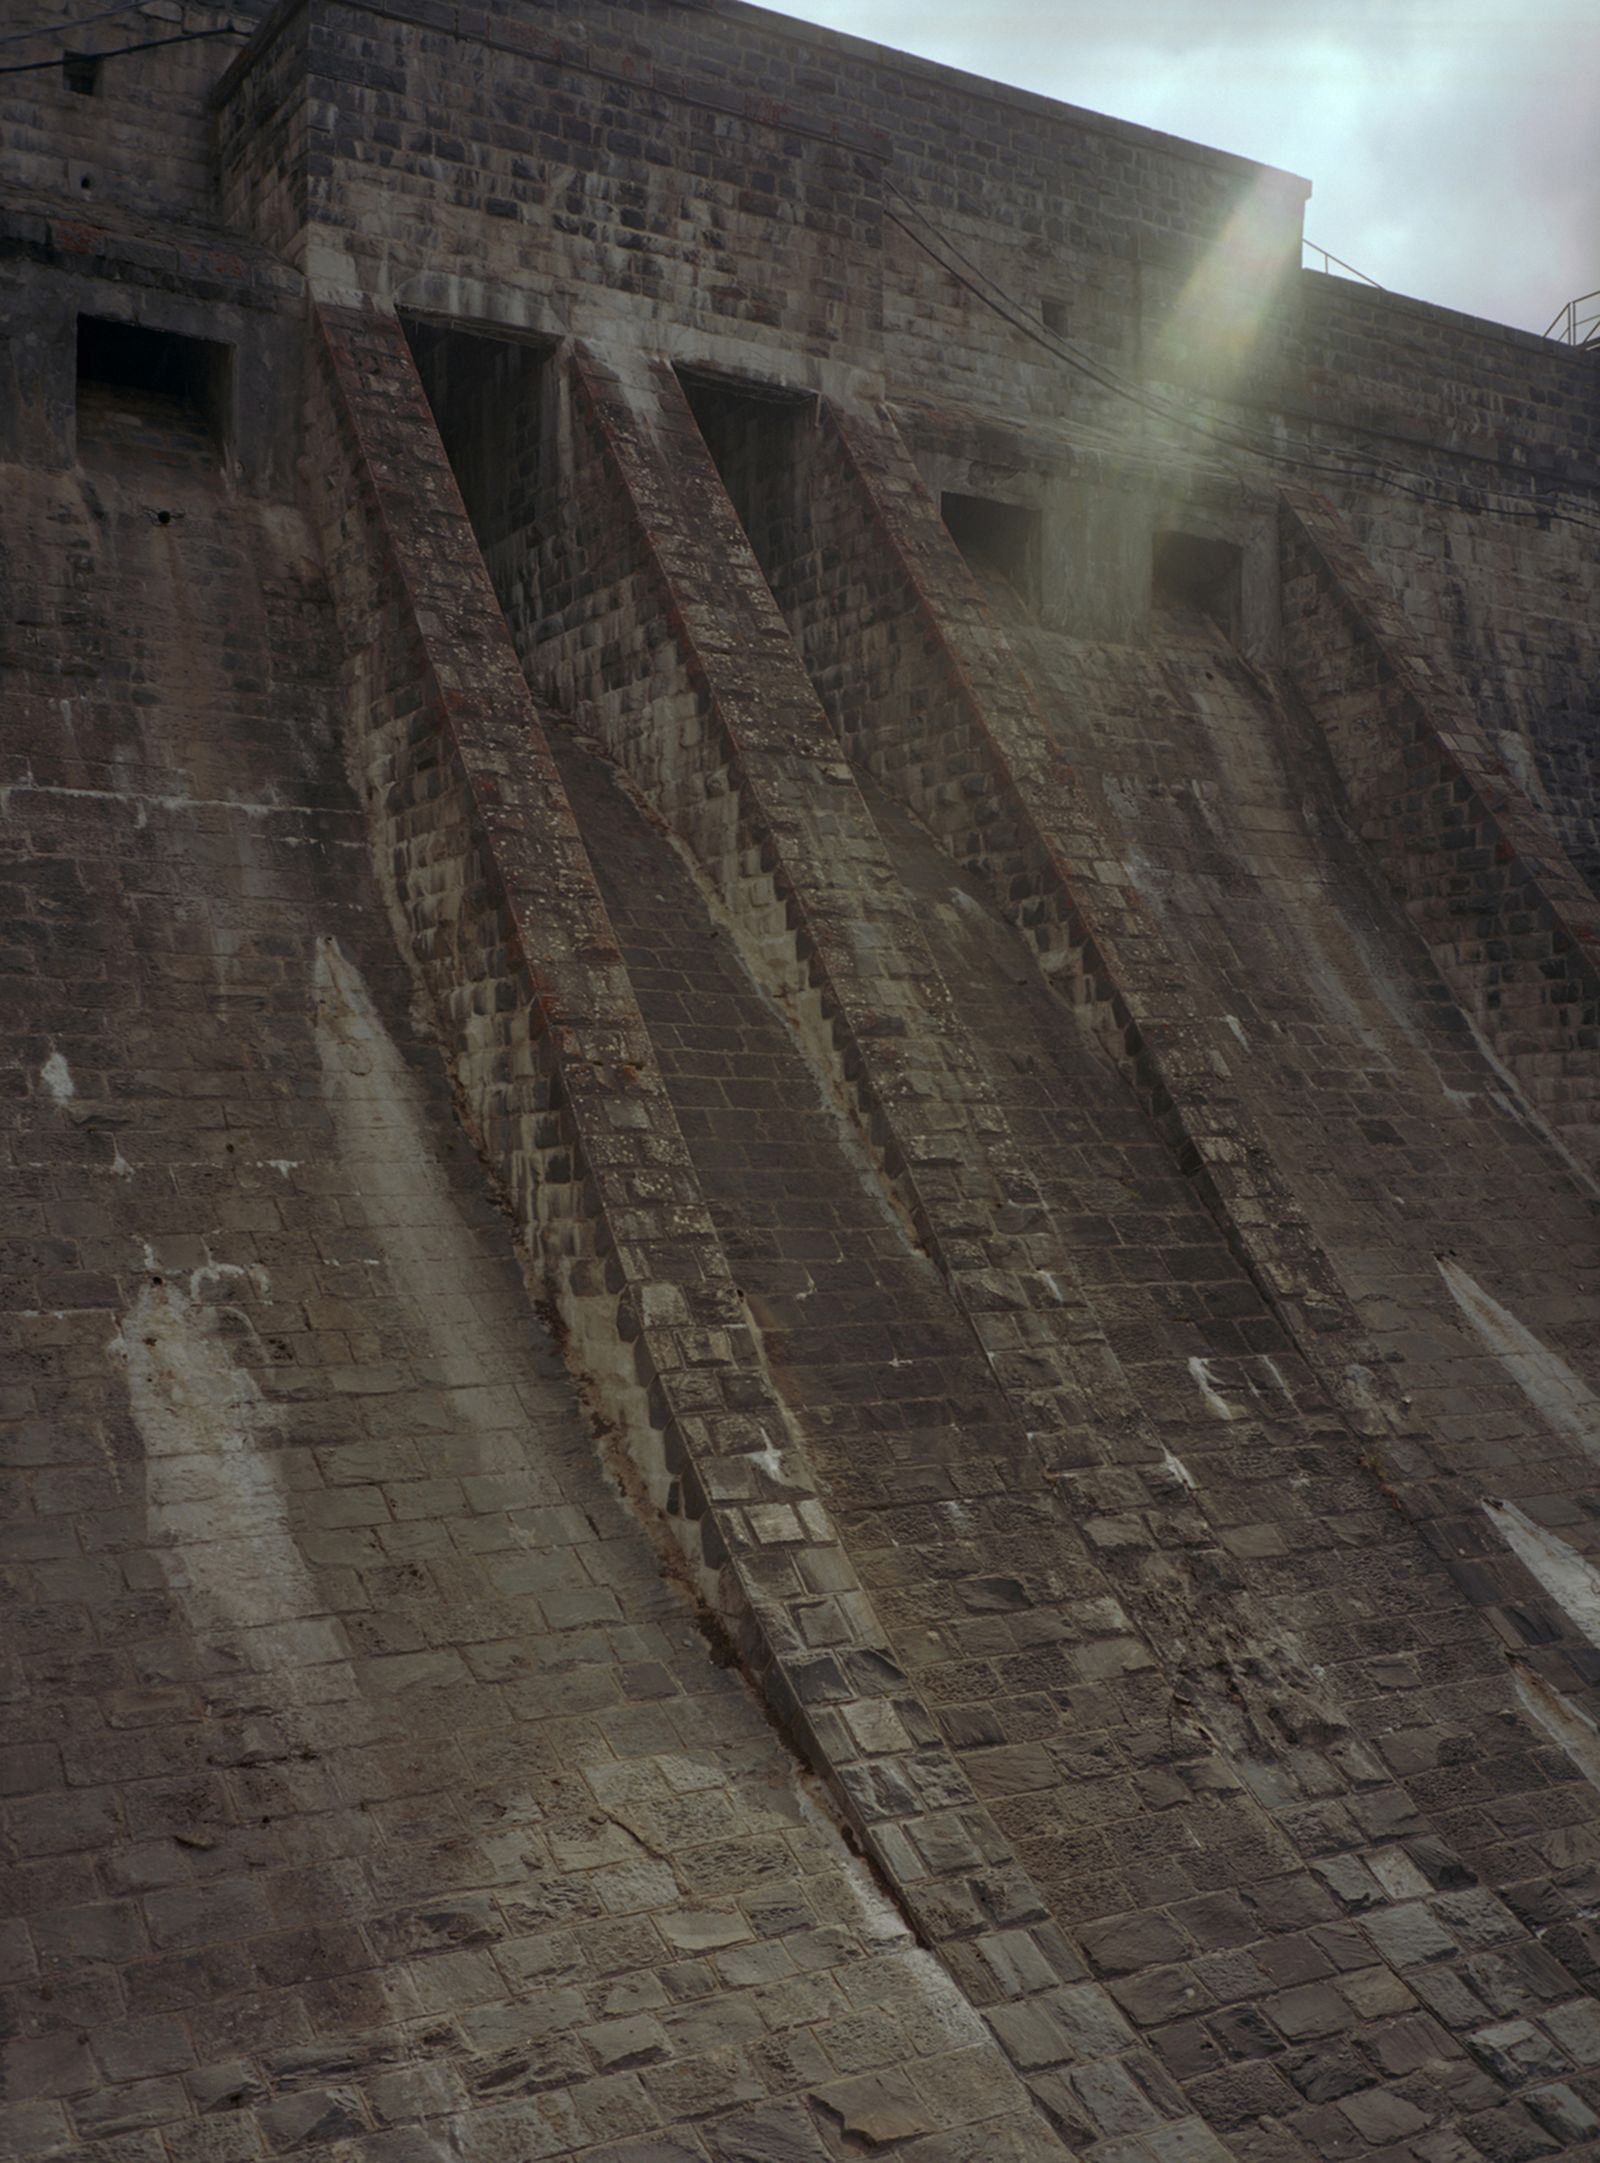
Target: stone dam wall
{"x":801,"y":1356}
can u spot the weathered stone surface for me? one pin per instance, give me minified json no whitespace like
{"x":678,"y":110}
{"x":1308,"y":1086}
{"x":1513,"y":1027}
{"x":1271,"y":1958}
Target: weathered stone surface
{"x":799,"y":1346}
{"x":358,"y":1738}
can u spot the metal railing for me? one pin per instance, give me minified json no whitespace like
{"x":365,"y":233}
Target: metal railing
{"x":1331,"y":262}
{"x":1578,"y":323}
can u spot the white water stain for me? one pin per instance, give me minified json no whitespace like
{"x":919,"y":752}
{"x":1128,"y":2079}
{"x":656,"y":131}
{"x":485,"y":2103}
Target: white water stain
{"x":216,"y":1507}
{"x":1571,"y":1582}
{"x":1215,"y":1403}
{"x":1276,"y":1373}
{"x":57,"y":1078}
{"x":386,"y":1145}
{"x":1562,"y":1720}
{"x":1552,"y":1387}
{"x":1179,"y":1471}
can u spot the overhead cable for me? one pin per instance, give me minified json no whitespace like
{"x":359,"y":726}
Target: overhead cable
{"x":116,"y":52}
{"x":1379,"y":470}
{"x":55,"y":30}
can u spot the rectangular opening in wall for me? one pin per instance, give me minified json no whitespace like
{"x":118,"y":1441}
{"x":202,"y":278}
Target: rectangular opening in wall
{"x":1190,"y":572}
{"x":136,"y":384}
{"x":750,"y":429}
{"x":999,"y":540}
{"x":488,"y":399}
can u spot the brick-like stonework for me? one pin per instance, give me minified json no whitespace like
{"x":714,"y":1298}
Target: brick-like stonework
{"x":1509,"y":921}
{"x":800,"y":1349}
{"x":369,"y":1791}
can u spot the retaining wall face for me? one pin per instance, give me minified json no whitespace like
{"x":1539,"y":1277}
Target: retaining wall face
{"x":1502,"y":607}
{"x":1503,"y":429}
{"x":246,"y":1991}
{"x":922,"y":640}
{"x":1130,"y":740}
{"x":497,"y":900}
{"x":1156,"y":754}
{"x":1378,"y":1218}
{"x":1004,"y":1259}
{"x":1294,"y":1896}
{"x":1512,"y":927}
{"x":368,"y":1792}
{"x":723,"y":1453}
{"x":901,"y":707}
{"x":595,"y":643}
{"x":878,"y":1021}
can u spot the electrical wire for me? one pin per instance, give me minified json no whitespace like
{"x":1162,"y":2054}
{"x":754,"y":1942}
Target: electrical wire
{"x":1148,"y":402}
{"x":1384,"y":472}
{"x":147,"y":45}
{"x":1098,"y":372}
{"x":1152,"y":403}
{"x":55,"y":30}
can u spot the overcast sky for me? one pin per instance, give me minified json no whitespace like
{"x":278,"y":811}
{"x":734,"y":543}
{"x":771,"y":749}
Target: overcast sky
{"x":1453,"y":145}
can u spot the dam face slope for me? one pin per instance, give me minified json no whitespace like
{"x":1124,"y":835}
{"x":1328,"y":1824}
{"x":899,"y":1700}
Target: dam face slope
{"x":803,"y":1236}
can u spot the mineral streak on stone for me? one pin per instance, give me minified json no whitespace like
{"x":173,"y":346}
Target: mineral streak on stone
{"x":800,"y":1356}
